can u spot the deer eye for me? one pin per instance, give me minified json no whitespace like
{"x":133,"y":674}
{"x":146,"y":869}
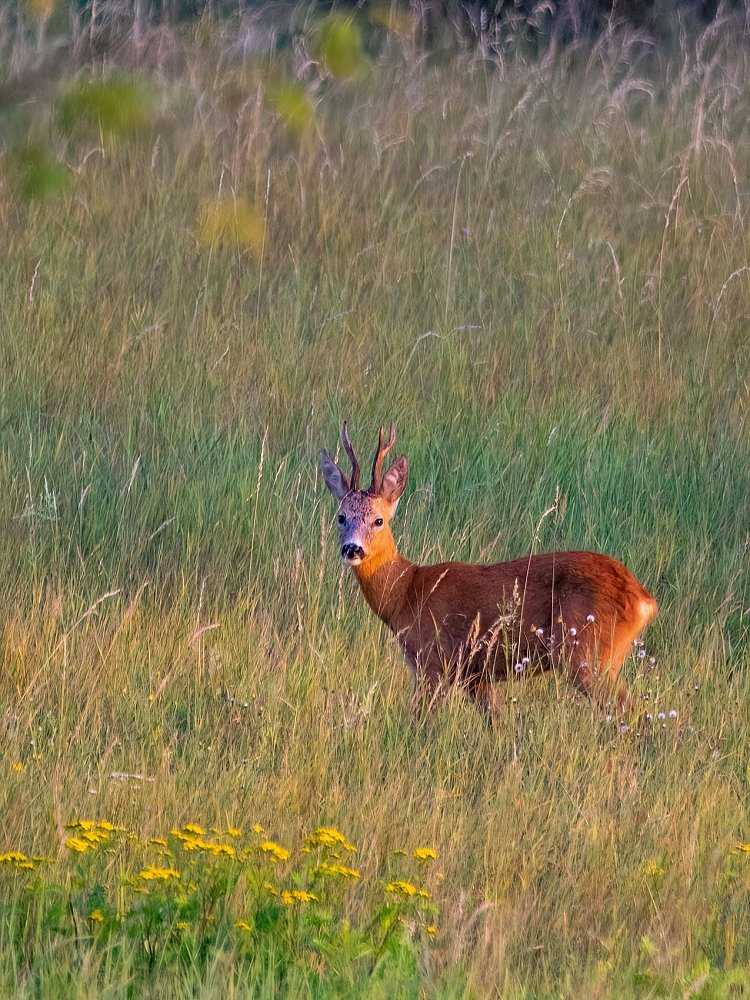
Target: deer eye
{"x":378,"y":522}
{"x":342,"y":519}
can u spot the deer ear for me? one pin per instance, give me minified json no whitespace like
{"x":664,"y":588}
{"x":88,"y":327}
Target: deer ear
{"x":335,"y":479}
{"x":394,"y":481}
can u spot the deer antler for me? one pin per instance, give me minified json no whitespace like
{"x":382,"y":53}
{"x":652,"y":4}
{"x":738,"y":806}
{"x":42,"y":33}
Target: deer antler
{"x":377,"y":465}
{"x":354,"y":479}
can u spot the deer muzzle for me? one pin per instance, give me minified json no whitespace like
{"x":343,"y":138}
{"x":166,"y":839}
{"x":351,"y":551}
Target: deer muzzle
{"x":352,"y":553}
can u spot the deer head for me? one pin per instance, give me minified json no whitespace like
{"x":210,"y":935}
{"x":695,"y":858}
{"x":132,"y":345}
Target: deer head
{"x":364,"y":515}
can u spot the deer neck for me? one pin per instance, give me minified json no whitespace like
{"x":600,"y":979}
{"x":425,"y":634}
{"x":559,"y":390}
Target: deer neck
{"x":384,"y":579}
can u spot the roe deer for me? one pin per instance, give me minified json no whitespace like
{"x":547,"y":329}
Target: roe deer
{"x":471,"y":624}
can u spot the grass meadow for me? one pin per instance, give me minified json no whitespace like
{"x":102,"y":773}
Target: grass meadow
{"x":211,"y":256}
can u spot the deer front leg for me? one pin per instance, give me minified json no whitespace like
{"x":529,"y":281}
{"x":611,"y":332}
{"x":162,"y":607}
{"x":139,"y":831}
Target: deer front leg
{"x":429,"y":689}
{"x":484,"y":694}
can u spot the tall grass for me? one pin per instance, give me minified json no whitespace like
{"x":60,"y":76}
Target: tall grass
{"x":539,"y":270}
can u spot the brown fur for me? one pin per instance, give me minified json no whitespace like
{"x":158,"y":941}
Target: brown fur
{"x":471,"y":624}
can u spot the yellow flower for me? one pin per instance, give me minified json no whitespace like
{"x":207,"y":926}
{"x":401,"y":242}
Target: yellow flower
{"x":742,"y":847}
{"x":27,"y":865}
{"x":95,"y":837}
{"x":243,"y":925}
{"x":336,"y":869}
{"x":402,"y":888}
{"x":297,"y":896}
{"x":79,"y":845}
{"x":431,"y":929}
{"x":258,"y":828}
{"x":301,"y":896}
{"x":17,"y":767}
{"x":158,"y":874}
{"x":11,"y":857}
{"x":182,"y":925}
{"x":425,"y":854}
{"x":97,"y":915}
{"x":92,"y":825}
{"x":221,"y":849}
{"x":232,"y":831}
{"x":271,"y":888}
{"x":232,"y":222}
{"x":274,"y":851}
{"x":653,"y":869}
{"x":328,"y":836}
{"x":159,"y":841}
{"x":194,"y":828}
{"x":196,"y":844}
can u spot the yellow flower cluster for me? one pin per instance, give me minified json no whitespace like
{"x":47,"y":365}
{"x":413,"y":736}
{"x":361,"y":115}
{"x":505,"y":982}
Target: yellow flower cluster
{"x":192,"y":828}
{"x":217,"y":850}
{"x":90,"y":834}
{"x":289,"y":897}
{"x":93,"y":824}
{"x":12,"y":856}
{"x":327,"y":842}
{"x":152,"y":874}
{"x":298,"y":896}
{"x":192,"y":841}
{"x":324,"y":868}
{"x":79,"y":845}
{"x":653,"y":869}
{"x":17,"y":859}
{"x":274,"y":851}
{"x":328,"y":836}
{"x":406,"y":889}
{"x":425,"y":854}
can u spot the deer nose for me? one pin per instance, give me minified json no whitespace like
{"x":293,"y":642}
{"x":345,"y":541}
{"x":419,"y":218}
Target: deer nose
{"x":351,"y":551}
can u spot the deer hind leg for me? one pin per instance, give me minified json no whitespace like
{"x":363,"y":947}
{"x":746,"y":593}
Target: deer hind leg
{"x":624,"y":635}
{"x":593,"y":666}
{"x":580,"y":665}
